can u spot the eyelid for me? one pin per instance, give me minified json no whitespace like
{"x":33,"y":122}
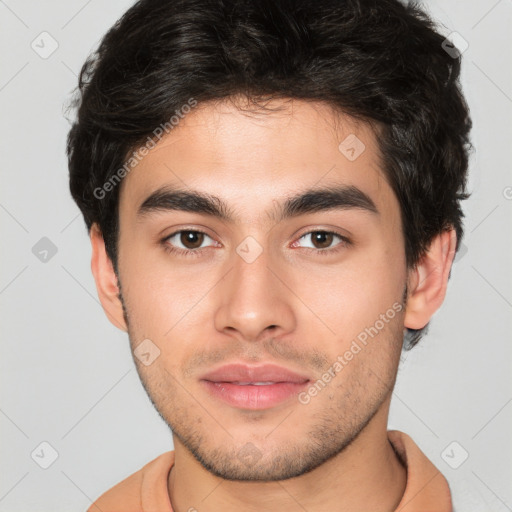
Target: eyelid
{"x":323,"y":229}
{"x":194,"y":228}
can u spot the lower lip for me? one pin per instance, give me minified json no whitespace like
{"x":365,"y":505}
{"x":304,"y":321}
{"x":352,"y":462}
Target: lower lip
{"x":254,"y":397}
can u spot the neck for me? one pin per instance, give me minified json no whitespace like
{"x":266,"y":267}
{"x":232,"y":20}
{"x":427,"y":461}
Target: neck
{"x":366,"y":475}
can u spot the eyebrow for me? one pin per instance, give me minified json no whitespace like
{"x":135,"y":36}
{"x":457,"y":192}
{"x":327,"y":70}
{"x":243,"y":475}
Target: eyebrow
{"x":343,"y":197}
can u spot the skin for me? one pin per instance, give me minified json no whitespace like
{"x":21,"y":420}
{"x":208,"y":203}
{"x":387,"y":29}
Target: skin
{"x":213,"y":307}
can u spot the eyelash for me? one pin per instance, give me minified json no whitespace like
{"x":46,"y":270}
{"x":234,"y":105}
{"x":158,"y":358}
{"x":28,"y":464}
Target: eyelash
{"x":197,"y":252}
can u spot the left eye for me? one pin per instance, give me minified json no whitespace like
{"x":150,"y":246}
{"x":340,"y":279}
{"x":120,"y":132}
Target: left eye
{"x":322,"y":239}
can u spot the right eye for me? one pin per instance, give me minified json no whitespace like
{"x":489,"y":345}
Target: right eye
{"x":186,"y":242}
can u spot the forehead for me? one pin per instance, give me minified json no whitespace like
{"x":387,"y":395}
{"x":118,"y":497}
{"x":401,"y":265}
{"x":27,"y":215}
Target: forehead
{"x":254,"y":159}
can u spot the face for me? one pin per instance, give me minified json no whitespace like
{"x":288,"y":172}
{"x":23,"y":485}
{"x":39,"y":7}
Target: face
{"x":278,"y":316}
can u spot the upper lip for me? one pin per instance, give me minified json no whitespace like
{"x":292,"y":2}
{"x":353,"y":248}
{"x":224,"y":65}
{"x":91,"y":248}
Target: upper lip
{"x":244,"y":373}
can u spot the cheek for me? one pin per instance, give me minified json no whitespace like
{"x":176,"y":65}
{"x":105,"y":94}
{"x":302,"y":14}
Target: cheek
{"x":352,"y":296}
{"x":156,"y":294}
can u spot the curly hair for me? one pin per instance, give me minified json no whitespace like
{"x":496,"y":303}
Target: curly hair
{"x":378,"y":61}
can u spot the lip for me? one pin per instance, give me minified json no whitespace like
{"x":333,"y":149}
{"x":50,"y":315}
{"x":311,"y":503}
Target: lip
{"x":237,"y":372}
{"x":236,"y":385}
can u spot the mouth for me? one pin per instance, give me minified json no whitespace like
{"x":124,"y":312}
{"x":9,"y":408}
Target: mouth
{"x":253,"y":387}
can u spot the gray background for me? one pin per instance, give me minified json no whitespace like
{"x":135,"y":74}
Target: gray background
{"x":67,"y":377}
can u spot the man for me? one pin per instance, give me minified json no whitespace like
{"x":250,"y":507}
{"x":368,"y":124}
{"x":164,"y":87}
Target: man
{"x":272,"y":191}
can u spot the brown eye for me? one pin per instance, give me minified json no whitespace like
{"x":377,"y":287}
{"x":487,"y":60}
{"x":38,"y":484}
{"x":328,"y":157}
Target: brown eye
{"x":322,"y":239}
{"x":187,"y":240}
{"x":191,"y":239}
{"x":323,"y":242}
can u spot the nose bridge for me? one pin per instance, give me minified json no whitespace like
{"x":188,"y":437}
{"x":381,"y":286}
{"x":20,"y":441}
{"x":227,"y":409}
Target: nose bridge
{"x":252,"y":298}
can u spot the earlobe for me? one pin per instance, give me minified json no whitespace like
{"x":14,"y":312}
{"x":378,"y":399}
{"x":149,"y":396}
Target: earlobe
{"x":428,"y":281}
{"x":106,"y":280}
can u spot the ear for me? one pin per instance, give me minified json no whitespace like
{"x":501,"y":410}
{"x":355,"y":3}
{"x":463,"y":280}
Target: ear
{"x":428,"y":280}
{"x":106,"y":280}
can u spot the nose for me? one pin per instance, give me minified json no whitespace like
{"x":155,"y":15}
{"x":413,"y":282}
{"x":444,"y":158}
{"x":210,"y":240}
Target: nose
{"x":254,"y":300}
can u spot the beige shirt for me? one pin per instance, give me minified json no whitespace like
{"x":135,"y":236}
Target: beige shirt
{"x":146,"y":490}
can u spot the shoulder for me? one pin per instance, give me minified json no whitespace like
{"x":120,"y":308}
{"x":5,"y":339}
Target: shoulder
{"x":426,"y":487}
{"x":128,"y":495}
